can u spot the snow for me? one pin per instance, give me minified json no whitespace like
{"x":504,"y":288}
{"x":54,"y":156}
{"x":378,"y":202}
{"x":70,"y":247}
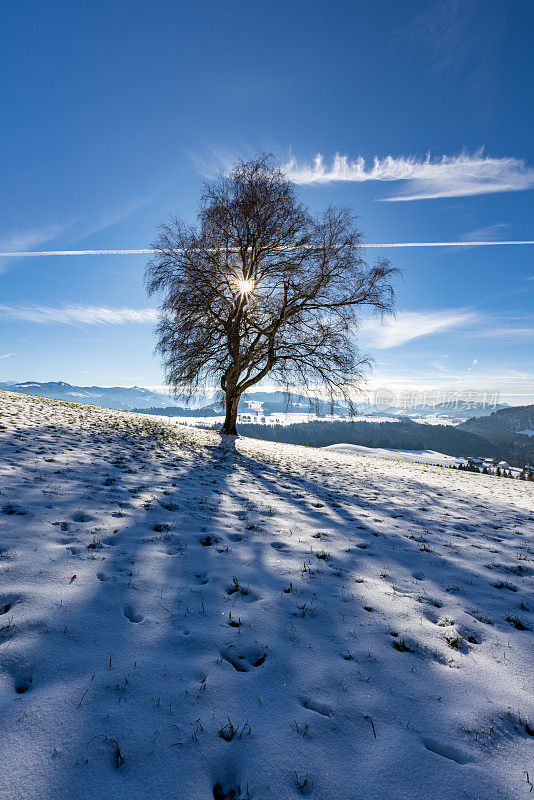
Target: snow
{"x":189,"y":617}
{"x":527,"y":432}
{"x":421,"y":456}
{"x":436,"y":419}
{"x":277,"y":418}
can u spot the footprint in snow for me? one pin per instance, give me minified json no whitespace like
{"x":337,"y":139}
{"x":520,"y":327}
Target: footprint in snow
{"x":430,"y":601}
{"x":445,"y":750}
{"x":208,"y":541}
{"x":315,"y":705}
{"x":82,"y":517}
{"x":131,"y":614}
{"x":243,"y":659}
{"x":102,"y":576}
{"x":23,"y":681}
{"x":504,"y":585}
{"x":480,"y":617}
{"x":7,"y":602}
{"x":220,"y":792}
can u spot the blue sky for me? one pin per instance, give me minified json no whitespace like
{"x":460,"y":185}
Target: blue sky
{"x":114,"y":113}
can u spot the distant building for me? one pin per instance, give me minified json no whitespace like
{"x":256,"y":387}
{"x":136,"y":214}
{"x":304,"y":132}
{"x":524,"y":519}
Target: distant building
{"x":475,"y":462}
{"x":254,"y":405}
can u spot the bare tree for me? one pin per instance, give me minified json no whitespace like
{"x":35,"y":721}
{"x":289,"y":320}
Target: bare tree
{"x":261,"y":287}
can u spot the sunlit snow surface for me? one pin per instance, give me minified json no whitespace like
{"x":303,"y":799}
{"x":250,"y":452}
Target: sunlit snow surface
{"x":420,"y":456}
{"x":356,"y":627}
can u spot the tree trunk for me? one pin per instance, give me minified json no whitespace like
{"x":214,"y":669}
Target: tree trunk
{"x":230,"y":421}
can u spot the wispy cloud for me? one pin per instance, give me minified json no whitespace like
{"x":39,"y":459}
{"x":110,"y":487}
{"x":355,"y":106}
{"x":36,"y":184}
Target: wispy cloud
{"x":408,"y":325}
{"x":23,"y":242}
{"x":7,"y":355}
{"x":473,"y":365}
{"x":28,"y":238}
{"x":460,"y":33}
{"x":462,"y":175}
{"x":215,"y":159}
{"x":119,"y":214}
{"x":441,"y":364}
{"x":74,"y":315}
{"x":481,"y":236}
{"x":505,"y":331}
{"x":492,"y":232}
{"x":517,"y":384}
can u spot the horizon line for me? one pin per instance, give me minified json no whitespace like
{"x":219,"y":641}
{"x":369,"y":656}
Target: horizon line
{"x":38,"y":253}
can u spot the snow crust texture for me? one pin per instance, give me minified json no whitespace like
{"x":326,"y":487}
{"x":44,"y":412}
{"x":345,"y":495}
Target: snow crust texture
{"x":188,"y":618}
{"x":421,"y":456}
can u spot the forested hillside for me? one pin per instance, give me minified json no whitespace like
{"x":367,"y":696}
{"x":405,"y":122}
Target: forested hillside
{"x":511,"y":429}
{"x":180,"y":411}
{"x":516,"y":419}
{"x":404,"y":435}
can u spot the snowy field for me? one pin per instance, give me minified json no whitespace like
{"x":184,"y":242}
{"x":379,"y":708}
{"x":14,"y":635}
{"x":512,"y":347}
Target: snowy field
{"x":186,"y":619}
{"x":420,"y":456}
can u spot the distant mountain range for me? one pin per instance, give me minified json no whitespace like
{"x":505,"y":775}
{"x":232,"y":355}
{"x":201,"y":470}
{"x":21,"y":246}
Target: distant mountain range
{"x":105,"y":396}
{"x":136,"y":398}
{"x":277,"y":403}
{"x":263,"y":403}
{"x":507,"y":432}
{"x":457,"y":410}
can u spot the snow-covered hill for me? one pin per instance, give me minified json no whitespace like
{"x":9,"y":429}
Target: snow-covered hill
{"x":183,"y":617}
{"x":119,"y":397}
{"x":419,"y":456}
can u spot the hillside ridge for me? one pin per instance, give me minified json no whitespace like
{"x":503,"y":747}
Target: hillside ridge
{"x":189,"y":615}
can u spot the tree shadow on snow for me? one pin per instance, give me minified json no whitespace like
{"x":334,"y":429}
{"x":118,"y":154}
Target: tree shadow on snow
{"x":243,"y":616}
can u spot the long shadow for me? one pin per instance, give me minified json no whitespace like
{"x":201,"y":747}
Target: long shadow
{"x":184,"y":645}
{"x":458,"y":575}
{"x":476,"y":592}
{"x":98,"y":567}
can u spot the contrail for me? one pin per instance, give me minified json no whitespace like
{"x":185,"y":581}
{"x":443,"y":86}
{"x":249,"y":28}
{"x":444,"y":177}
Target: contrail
{"x":26,"y":254}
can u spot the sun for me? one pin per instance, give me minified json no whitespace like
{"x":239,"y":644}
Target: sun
{"x":245,"y":286}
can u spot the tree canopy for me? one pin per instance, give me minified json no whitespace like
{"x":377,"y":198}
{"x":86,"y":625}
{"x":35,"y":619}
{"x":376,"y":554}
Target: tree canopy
{"x":260,"y":286}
